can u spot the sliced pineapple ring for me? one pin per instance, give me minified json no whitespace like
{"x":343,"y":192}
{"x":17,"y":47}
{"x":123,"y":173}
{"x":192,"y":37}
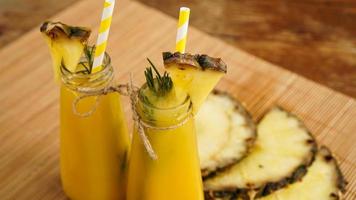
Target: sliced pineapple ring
{"x":197,"y":75}
{"x":282,"y":152}
{"x":225,"y":132}
{"x":66,"y":44}
{"x":323,"y":181}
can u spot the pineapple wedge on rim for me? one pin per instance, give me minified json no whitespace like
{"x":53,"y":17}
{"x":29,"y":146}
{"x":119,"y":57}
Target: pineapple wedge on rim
{"x":283,"y":151}
{"x":66,"y":44}
{"x":197,"y":75}
{"x":323,"y":181}
{"x":228,"y":141}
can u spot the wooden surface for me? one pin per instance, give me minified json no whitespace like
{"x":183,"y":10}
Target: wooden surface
{"x":314,"y":38}
{"x":29,"y":121}
{"x":19,"y":16}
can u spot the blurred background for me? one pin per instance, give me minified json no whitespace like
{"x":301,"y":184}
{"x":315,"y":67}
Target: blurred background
{"x":314,"y":38}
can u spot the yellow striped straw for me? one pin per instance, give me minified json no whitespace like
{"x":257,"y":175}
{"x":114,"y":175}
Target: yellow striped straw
{"x":103,"y":35}
{"x":182,"y":32}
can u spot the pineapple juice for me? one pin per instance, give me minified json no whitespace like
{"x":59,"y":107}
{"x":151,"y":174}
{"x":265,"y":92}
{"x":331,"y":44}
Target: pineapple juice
{"x":175,"y":175}
{"x":94,"y":149}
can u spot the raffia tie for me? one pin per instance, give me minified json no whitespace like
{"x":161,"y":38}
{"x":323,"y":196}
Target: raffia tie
{"x":126,"y":90}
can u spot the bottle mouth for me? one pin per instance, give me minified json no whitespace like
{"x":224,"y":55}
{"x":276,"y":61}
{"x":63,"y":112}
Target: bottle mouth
{"x":186,"y":101}
{"x":105,"y":66}
{"x":99,"y":79}
{"x":104,"y":69}
{"x":166,"y":116}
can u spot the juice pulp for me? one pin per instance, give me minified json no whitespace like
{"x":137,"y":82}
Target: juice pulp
{"x":94,"y":150}
{"x":175,"y":175}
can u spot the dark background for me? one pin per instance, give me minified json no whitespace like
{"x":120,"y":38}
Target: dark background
{"x":314,"y":38}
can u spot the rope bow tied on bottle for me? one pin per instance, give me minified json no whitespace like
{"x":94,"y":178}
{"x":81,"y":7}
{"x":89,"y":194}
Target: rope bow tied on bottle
{"x":131,"y":91}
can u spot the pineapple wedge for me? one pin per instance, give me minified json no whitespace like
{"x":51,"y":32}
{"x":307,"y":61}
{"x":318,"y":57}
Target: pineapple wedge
{"x":323,"y":181}
{"x":282,"y":152}
{"x":66,"y":44}
{"x":226,"y":142}
{"x":197,"y":75}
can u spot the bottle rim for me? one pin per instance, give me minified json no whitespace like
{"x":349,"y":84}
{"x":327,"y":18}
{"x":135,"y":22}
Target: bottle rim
{"x":96,"y":79}
{"x":181,"y":104}
{"x":179,"y":112}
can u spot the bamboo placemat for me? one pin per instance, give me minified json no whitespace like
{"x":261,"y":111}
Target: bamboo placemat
{"x":29,"y":121}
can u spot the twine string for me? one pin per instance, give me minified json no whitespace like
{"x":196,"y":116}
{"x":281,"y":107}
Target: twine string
{"x":131,"y":91}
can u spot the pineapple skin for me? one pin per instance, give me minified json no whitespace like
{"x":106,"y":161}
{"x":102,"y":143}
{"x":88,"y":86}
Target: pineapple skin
{"x":201,"y":62}
{"x":324,"y":170}
{"x":253,"y":192}
{"x":56,"y":29}
{"x":227,"y":195}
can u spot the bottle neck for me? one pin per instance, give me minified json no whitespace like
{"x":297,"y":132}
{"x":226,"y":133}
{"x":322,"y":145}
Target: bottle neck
{"x":79,"y":81}
{"x":164,"y":117}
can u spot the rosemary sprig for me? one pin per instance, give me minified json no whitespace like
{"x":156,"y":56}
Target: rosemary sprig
{"x":87,"y":64}
{"x":89,"y":54}
{"x":159,"y":85}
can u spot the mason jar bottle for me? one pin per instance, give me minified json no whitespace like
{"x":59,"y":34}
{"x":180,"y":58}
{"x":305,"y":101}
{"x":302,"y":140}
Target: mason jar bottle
{"x":175,"y":174}
{"x":93,"y":149}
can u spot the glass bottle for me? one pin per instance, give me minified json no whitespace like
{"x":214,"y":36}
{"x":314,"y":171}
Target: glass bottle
{"x":93,"y":149}
{"x":175,"y":175}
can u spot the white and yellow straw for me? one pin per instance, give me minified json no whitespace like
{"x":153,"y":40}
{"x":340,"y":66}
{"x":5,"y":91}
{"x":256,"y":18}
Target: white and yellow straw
{"x":182,"y":32}
{"x":103,"y":35}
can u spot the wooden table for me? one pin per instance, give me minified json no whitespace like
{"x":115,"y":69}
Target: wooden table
{"x":29,"y":98}
{"x":314,"y":38}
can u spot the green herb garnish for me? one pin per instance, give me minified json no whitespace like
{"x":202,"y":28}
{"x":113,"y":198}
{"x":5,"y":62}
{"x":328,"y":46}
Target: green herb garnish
{"x":89,"y":55}
{"x":87,"y":64}
{"x":159,"y":85}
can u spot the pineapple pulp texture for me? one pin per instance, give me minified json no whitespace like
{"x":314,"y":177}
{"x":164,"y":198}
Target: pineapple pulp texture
{"x":94,"y":149}
{"x":226,"y":142}
{"x":66,"y":51}
{"x":66,"y":44}
{"x":170,"y":99}
{"x":281,"y":147}
{"x":175,"y":175}
{"x":197,"y":83}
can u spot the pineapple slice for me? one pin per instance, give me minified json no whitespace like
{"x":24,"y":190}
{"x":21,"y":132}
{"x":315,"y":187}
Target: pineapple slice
{"x":197,"y":75}
{"x":66,"y":44}
{"x":282,"y":152}
{"x":224,"y":143}
{"x":323,"y":181}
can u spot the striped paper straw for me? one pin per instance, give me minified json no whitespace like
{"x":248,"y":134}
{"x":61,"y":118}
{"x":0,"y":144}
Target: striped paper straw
{"x":182,"y":32}
{"x":104,"y":29}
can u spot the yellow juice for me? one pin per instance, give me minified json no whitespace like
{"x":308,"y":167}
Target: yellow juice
{"x":175,"y":175}
{"x":94,"y":149}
